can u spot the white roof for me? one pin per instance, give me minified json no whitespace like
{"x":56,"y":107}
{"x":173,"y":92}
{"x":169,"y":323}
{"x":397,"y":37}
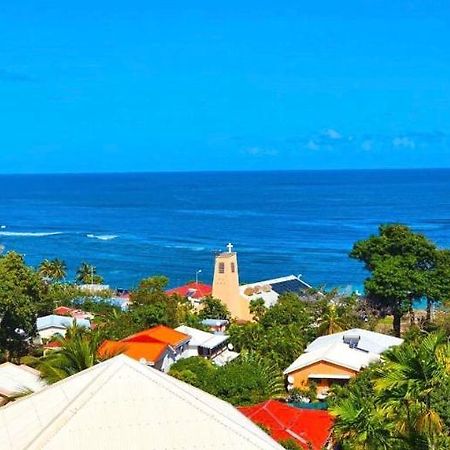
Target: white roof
{"x":121,"y":403}
{"x":339,"y":354}
{"x":201,"y":338}
{"x":369,"y":340}
{"x":270,"y":297}
{"x":19,"y":379}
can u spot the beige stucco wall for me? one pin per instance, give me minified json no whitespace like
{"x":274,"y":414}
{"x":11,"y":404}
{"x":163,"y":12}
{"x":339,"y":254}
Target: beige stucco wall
{"x":226,"y":286}
{"x":301,"y":380}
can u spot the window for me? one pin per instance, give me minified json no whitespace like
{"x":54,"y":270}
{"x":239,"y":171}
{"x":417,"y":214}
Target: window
{"x":221,"y":267}
{"x":233,"y":267}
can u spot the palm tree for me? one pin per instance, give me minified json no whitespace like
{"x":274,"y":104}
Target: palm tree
{"x":54,"y":269}
{"x":406,"y":382}
{"x":78,"y":352}
{"x":361,"y":425}
{"x":87,"y":274}
{"x":330,"y":320}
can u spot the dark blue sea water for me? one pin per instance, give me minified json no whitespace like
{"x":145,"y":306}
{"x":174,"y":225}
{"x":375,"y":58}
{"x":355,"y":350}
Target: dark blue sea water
{"x":135,"y":225}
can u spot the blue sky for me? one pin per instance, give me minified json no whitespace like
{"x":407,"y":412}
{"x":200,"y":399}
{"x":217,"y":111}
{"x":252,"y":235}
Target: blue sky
{"x":99,"y":85}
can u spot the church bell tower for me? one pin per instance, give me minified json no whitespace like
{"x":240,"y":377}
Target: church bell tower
{"x":226,"y":284}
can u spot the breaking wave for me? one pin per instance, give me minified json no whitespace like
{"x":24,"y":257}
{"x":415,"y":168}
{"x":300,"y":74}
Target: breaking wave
{"x":102,"y":237}
{"x":28,"y":234}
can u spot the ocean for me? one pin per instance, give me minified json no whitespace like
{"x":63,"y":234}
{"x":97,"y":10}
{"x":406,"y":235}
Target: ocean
{"x":135,"y":225}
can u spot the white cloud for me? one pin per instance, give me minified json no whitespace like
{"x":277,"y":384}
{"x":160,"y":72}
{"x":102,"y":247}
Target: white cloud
{"x":311,"y":145}
{"x":332,"y":134}
{"x":403,"y":142}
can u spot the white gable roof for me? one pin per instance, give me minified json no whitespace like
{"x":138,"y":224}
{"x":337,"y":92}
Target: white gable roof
{"x":123,"y":404}
{"x":337,"y":353}
{"x":19,"y":379}
{"x":200,"y":338}
{"x":369,"y":340}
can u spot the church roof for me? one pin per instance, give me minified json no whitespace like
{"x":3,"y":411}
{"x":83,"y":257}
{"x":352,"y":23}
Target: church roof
{"x":123,"y":404}
{"x":270,"y":290}
{"x":286,"y":422}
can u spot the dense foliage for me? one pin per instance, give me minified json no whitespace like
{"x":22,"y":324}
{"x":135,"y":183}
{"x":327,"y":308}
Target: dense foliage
{"x":404,"y":266}
{"x":400,"y":403}
{"x":247,"y":380}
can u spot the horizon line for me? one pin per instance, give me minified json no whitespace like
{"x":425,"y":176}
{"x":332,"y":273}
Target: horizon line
{"x":145,"y":172}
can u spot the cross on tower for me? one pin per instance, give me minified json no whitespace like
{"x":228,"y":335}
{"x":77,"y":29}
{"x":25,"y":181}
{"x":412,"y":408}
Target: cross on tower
{"x":230,"y":247}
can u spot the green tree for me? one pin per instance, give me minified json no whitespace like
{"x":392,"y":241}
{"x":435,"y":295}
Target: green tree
{"x":87,"y":274}
{"x":403,"y":265}
{"x":258,"y":309}
{"x":407,"y":383}
{"x":213,"y":308}
{"x":20,"y":302}
{"x":54,"y":269}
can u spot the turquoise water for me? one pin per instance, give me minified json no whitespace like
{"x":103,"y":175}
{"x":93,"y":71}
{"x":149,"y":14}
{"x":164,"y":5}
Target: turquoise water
{"x":135,"y":225}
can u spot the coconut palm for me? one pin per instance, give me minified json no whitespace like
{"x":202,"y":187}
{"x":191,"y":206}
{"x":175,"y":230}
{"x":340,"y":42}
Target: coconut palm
{"x":78,"y":351}
{"x":54,"y":269}
{"x":331,"y":320}
{"x":405,"y":385}
{"x":361,"y":425}
{"x":87,"y":274}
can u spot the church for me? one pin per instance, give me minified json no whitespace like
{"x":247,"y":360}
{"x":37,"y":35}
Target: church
{"x":226,"y":286}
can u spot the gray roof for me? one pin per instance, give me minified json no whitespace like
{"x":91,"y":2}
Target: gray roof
{"x":369,"y":341}
{"x":55,"y":321}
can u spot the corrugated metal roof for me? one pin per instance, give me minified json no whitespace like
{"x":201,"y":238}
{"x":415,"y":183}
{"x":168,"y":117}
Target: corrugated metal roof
{"x":123,"y":404}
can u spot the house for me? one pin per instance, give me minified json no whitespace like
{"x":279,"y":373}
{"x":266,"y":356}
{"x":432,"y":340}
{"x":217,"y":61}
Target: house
{"x":310,"y":429}
{"x":194,"y":292}
{"x":212,"y":346}
{"x":121,"y":403}
{"x":72,"y":312}
{"x":216,"y":325}
{"x":159,"y":347}
{"x":16,"y":380}
{"x":336,"y":358}
{"x":48,"y":326}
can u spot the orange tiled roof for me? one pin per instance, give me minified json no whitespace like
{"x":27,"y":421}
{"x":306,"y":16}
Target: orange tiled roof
{"x":160,"y":333}
{"x":151,"y":352}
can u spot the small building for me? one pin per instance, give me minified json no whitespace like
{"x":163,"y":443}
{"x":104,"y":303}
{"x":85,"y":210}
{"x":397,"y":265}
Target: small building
{"x":51,"y":325}
{"x":18,"y":380}
{"x":212,"y":346}
{"x":72,"y":312}
{"x":336,"y":358}
{"x":310,"y":429}
{"x":93,"y":289}
{"x":158,"y":347}
{"x":123,"y":404}
{"x":194,"y":292}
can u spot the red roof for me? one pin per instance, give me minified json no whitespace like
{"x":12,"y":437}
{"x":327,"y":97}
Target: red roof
{"x":63,"y":311}
{"x":286,"y":422}
{"x":193,"y":290}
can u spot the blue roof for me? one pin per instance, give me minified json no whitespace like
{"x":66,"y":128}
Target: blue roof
{"x":55,"y":321}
